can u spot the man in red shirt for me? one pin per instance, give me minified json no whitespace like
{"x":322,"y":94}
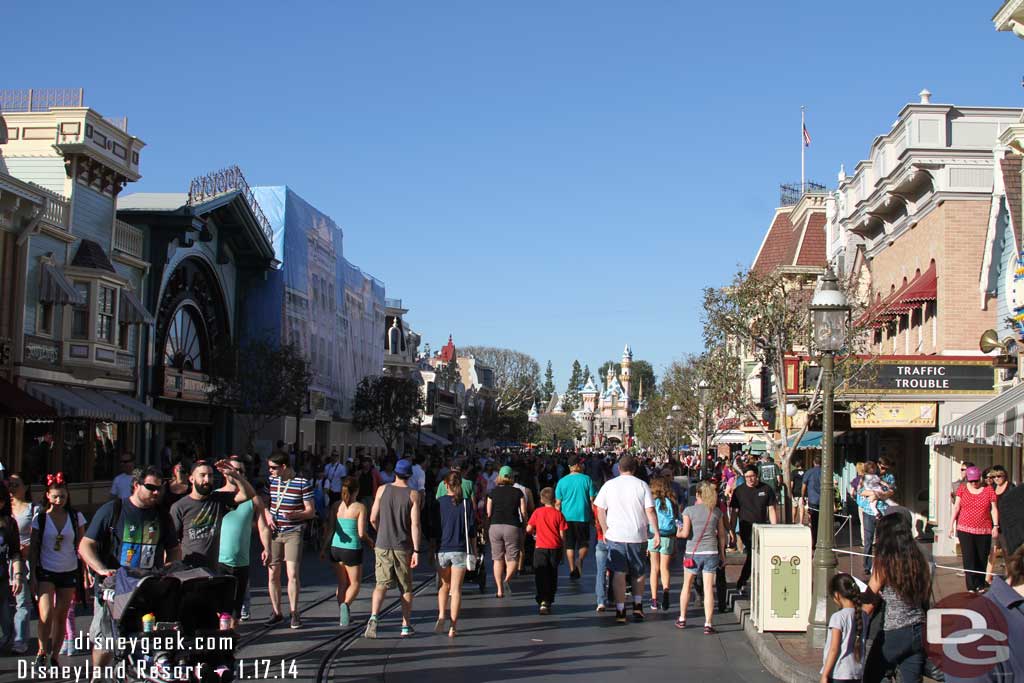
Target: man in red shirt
{"x":549,"y":526}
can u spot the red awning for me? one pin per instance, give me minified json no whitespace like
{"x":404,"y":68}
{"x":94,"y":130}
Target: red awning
{"x":923,"y":288}
{"x":16,"y":403}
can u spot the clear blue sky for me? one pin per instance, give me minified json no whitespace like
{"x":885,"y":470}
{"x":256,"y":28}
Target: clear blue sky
{"x":554,"y":177}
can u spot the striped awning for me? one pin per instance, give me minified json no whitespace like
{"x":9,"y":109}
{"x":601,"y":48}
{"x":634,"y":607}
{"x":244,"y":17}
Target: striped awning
{"x":145,"y":412}
{"x":998,"y":422}
{"x":132,"y":311}
{"x":16,"y":403}
{"x":69,"y":402}
{"x":55,"y":288}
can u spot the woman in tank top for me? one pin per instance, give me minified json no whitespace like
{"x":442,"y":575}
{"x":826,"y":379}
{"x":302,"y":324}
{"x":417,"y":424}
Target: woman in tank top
{"x":344,"y":541}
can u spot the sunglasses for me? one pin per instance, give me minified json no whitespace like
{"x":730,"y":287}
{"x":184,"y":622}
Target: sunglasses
{"x":154,"y":488}
{"x":274,"y":468}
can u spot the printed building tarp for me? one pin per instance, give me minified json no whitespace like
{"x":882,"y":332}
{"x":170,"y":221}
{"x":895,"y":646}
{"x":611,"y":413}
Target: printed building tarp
{"x":328,"y":307}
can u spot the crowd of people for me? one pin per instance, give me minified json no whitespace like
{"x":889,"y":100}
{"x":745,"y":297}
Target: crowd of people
{"x":532,"y":512}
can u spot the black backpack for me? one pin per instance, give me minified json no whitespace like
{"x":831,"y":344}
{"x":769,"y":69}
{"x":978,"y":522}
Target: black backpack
{"x":107,"y":543}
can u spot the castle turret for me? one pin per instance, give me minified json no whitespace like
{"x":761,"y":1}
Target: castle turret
{"x":625,"y":377}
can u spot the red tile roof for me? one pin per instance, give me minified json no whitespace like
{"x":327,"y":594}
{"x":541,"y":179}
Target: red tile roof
{"x":789,"y":245}
{"x":777,"y":245}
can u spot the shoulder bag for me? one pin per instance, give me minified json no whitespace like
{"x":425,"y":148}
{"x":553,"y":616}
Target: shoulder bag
{"x":471,"y":558}
{"x":689,"y":562}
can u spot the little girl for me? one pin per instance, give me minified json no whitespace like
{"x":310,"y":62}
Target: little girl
{"x":667,"y":508}
{"x":841,"y":659}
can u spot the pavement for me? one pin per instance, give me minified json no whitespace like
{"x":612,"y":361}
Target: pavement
{"x":498,"y":640}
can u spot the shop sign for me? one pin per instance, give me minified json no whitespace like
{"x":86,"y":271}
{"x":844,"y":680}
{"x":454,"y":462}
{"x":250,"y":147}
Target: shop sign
{"x":41,"y":351}
{"x":186,"y":386}
{"x":755,"y":426}
{"x":925,"y":375}
{"x":892,"y":415}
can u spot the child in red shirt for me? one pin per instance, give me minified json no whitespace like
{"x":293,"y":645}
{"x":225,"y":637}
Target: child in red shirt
{"x":549,"y":526}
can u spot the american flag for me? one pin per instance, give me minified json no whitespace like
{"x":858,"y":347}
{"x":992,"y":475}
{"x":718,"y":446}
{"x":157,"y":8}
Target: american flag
{"x":807,"y":137}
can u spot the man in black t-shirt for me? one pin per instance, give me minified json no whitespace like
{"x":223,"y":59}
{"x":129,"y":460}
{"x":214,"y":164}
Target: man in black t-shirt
{"x":753,"y":503}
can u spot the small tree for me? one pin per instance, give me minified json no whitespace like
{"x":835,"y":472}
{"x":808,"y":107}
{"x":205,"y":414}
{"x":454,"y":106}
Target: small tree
{"x":554,"y":429}
{"x":387,"y":406}
{"x":572,"y":399}
{"x":262,"y":381}
{"x":548,"y":388}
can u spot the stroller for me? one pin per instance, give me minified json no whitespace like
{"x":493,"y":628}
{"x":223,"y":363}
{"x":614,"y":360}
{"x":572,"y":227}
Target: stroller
{"x":479,"y":575}
{"x":186,"y":643}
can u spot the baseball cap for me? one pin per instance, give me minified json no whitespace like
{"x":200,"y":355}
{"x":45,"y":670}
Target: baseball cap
{"x":973,"y":474}
{"x":505,"y":471}
{"x":403,"y":468}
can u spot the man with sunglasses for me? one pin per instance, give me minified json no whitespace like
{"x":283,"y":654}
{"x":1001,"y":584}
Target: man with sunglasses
{"x":134,"y":533}
{"x":291,"y":504}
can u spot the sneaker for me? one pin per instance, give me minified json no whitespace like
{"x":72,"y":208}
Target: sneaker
{"x":654,"y":605}
{"x":638,"y":611}
{"x":296,"y":620}
{"x":620,"y":616}
{"x":344,"y":616}
{"x":371,"y":628}
{"x":274,"y":620}
{"x":544,"y":609}
{"x":600,"y":607}
{"x":244,"y":616}
{"x":664,"y":600}
{"x":407,"y":631}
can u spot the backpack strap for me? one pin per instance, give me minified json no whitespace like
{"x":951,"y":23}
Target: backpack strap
{"x":111,"y":538}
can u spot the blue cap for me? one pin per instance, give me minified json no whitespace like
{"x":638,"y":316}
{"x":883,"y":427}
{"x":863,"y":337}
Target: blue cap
{"x":403,"y":468}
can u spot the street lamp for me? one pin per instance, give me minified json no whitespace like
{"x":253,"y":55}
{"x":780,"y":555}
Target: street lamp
{"x":702,"y":392}
{"x":463,"y":421}
{"x":676,"y":409}
{"x":668,"y":420}
{"x":830,"y":315}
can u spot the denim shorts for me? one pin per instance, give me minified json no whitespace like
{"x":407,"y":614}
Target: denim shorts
{"x":455,"y":559}
{"x":623,"y":557}
{"x":704,"y":564}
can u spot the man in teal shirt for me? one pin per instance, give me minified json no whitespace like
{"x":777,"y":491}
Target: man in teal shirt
{"x":573,"y":496}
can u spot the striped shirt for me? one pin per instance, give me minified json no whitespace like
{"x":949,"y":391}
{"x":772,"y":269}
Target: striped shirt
{"x":288,"y":496}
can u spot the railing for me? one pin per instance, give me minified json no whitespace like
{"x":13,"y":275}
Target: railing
{"x":393,"y":303}
{"x":128,"y":239}
{"x":119,"y":122}
{"x":790,"y":193}
{"x":126,"y":363}
{"x":228,"y":180}
{"x":40,"y":99}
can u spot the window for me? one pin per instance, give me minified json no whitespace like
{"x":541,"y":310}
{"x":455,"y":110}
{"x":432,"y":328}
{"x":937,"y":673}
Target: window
{"x":80,"y":314}
{"x":44,"y":325}
{"x":105,"y":314}
{"x":123,"y":335}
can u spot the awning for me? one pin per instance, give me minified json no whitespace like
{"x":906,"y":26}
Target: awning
{"x":147,"y":413}
{"x":810,"y":440}
{"x":16,"y":403}
{"x":923,"y":288}
{"x":132,"y":310}
{"x":78,"y":402}
{"x":998,"y":422}
{"x":756,"y":447}
{"x":55,"y":288}
{"x":432,"y":439}
{"x":733,"y":436}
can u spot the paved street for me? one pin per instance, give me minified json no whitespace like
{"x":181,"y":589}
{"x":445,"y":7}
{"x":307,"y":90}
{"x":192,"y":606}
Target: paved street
{"x":499,"y":640}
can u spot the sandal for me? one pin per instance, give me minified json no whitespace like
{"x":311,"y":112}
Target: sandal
{"x":680,"y":623}
{"x":451,"y":632}
{"x":709,"y":630}
{"x":439,"y":626}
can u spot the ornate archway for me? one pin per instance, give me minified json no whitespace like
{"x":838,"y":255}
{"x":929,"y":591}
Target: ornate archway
{"x":192,"y":325}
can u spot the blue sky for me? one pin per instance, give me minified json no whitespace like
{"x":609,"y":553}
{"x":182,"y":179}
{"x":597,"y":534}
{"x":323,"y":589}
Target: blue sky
{"x":555,"y":177}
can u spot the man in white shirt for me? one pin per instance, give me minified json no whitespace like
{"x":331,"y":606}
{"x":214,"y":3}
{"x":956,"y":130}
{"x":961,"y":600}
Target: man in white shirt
{"x":334,"y":472}
{"x":418,"y":480}
{"x":625,"y":511}
{"x":121,"y":487}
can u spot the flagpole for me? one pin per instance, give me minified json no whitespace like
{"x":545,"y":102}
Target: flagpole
{"x":803,"y":127}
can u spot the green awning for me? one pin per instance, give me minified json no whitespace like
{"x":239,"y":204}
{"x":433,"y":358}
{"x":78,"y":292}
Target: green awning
{"x":810,"y":440}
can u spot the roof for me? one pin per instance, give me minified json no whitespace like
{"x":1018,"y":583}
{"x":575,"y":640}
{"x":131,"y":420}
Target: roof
{"x":1011,"y":167}
{"x":91,"y":255}
{"x":152,"y":201}
{"x":786,"y":244}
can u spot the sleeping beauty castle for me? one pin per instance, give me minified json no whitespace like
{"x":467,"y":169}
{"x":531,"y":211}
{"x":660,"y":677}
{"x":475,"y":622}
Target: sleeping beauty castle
{"x":606,"y":415}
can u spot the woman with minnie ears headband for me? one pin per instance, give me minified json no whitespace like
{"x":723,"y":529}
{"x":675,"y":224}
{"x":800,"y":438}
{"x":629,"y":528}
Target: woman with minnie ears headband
{"x":55,"y":569}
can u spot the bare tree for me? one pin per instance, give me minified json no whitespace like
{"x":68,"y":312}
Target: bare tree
{"x":516,"y":376}
{"x":262,"y":381}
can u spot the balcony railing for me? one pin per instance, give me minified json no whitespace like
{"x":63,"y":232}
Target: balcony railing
{"x":225,"y":180}
{"x":128,"y":239}
{"x":40,"y":99}
{"x":393,"y":303}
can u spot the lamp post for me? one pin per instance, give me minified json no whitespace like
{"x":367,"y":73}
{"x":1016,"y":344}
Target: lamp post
{"x":676,"y":409}
{"x":830,"y":315}
{"x":668,"y":428}
{"x":702,"y":391}
{"x":463,"y":421}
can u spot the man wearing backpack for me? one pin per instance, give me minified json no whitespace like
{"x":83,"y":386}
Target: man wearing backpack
{"x":133,"y":533}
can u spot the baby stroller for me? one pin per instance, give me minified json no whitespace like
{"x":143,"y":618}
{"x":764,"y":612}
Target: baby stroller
{"x":479,"y":574}
{"x":186,"y":642}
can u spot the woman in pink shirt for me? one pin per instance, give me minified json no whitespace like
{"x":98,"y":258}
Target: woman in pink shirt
{"x":975,"y":522}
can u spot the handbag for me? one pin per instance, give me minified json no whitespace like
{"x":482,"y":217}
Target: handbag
{"x":471,"y":558}
{"x":689,"y":562}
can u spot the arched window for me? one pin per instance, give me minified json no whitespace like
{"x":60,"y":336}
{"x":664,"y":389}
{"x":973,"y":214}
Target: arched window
{"x":185,"y":347}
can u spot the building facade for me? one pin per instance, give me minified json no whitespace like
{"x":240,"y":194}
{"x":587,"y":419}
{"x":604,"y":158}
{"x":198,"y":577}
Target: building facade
{"x":74,"y":277}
